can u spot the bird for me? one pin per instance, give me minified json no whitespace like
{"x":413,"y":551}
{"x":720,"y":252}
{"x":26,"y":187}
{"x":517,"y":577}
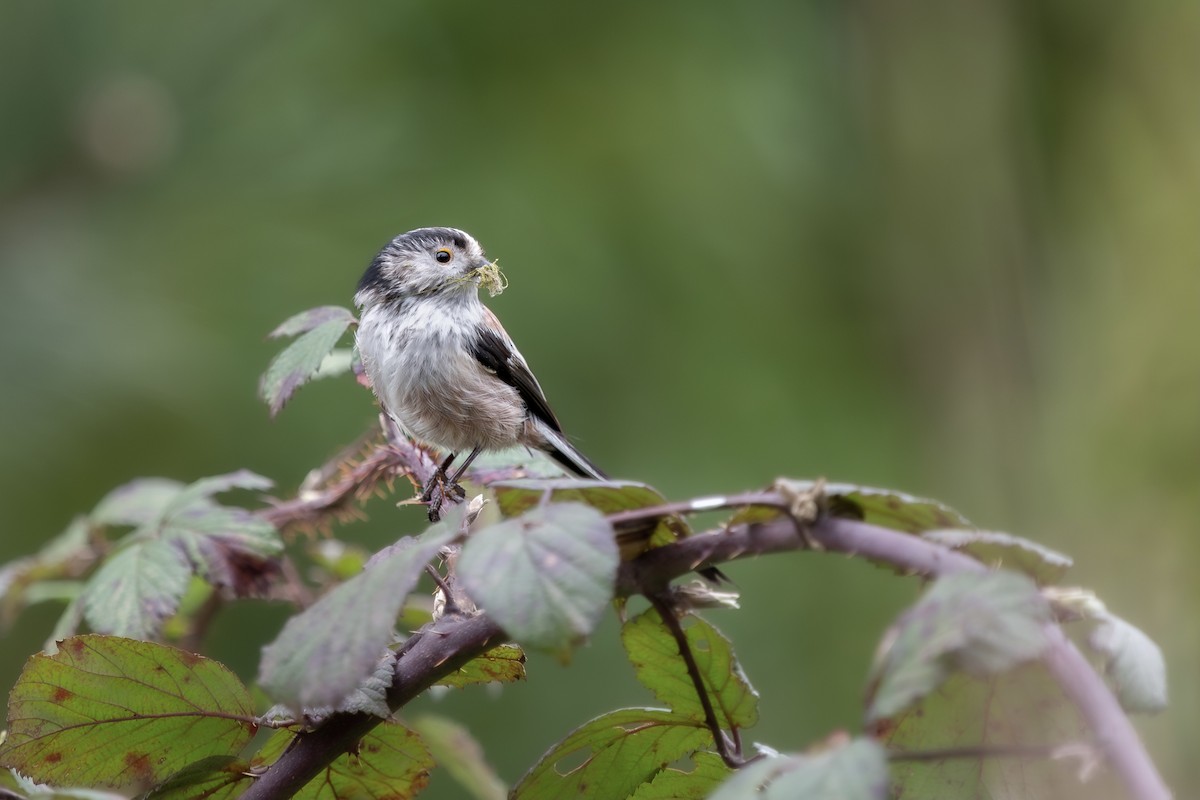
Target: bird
{"x":441,"y":364}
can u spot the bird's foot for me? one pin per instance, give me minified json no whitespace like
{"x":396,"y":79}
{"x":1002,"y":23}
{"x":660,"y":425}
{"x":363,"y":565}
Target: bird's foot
{"x":440,"y":490}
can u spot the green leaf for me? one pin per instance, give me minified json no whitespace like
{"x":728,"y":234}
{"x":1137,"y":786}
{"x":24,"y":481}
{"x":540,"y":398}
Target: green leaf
{"x":330,"y":648}
{"x":1023,"y":707}
{"x":1133,"y":663}
{"x":226,"y":546}
{"x":612,"y":755}
{"x":1007,"y":551}
{"x":546,"y":576}
{"x":982,"y":623}
{"x":662,"y":670}
{"x":212,"y":778}
{"x":137,"y":502}
{"x":891,"y":509}
{"x":300,"y":361}
{"x":390,"y":762}
{"x":339,"y":361}
{"x":136,"y":590}
{"x":502,"y":664}
{"x":306,"y":321}
{"x":139,"y":711}
{"x":200,"y":491}
{"x":856,"y":771}
{"x":456,"y":750}
{"x":676,"y":782}
{"x":181,"y":530}
{"x":608,"y":497}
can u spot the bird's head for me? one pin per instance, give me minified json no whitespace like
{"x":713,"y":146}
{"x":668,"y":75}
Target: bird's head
{"x":427,"y":262}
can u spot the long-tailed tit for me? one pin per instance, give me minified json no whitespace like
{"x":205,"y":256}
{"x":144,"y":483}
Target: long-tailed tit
{"x":443,"y":366}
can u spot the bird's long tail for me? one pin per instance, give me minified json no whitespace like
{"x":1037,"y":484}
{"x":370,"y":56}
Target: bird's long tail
{"x":565,"y":453}
{"x":577,"y":463}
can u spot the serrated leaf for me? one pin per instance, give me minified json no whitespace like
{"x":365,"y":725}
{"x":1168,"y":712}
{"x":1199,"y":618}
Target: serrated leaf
{"x":456,"y":750}
{"x":312,"y":318}
{"x":982,"y":623}
{"x":226,"y":545}
{"x":205,"y":488}
{"x":300,"y":361}
{"x":389,"y":762}
{"x":1133,"y":663}
{"x":140,"y":711}
{"x":502,"y":664}
{"x":677,"y":782}
{"x":370,"y":696}
{"x":1005,"y":550}
{"x":1023,"y":707}
{"x":546,"y":576}
{"x":662,"y":670}
{"x":212,"y":778}
{"x":329,"y":649}
{"x":857,"y":771}
{"x":181,"y":530}
{"x":618,"y":751}
{"x":136,"y":589}
{"x":136,"y":503}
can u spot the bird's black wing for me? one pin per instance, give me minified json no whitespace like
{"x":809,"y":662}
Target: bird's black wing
{"x":497,"y":355}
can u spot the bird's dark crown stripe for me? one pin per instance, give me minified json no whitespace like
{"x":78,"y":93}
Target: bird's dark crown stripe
{"x":427,"y":238}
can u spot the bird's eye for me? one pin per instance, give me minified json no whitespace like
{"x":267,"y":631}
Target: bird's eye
{"x":443,"y":255}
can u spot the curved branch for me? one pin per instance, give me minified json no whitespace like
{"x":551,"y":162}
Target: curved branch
{"x":429,"y":655}
{"x":447,"y":644}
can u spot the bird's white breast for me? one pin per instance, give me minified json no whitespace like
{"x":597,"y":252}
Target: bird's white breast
{"x":417,"y":358}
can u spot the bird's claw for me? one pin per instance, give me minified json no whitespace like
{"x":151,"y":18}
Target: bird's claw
{"x":438,"y":491}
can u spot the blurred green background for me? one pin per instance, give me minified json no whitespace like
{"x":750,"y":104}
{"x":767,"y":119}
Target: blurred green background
{"x":946,"y":247}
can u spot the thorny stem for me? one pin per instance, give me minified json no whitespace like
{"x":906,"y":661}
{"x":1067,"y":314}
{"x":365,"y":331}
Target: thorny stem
{"x":445,"y":645}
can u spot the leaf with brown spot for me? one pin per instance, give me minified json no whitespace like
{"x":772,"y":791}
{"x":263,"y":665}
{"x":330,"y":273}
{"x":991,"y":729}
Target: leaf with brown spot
{"x":502,"y":664}
{"x":212,"y":778}
{"x":140,"y":711}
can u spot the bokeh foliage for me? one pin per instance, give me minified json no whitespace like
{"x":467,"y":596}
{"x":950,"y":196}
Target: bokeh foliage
{"x":946,"y":247}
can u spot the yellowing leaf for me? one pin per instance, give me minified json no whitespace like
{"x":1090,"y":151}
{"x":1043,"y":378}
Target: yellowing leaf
{"x":122,"y":714}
